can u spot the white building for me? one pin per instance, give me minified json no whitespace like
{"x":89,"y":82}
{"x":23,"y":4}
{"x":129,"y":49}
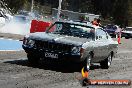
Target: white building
{"x":70,"y":15}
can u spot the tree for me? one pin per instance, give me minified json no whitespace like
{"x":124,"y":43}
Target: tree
{"x":86,"y":6}
{"x":116,"y":9}
{"x":15,"y":5}
{"x":120,"y":11}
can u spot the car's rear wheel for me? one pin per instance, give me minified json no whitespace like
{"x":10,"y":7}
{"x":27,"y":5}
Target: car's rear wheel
{"x":32,"y":59}
{"x":107,"y":62}
{"x":126,"y":37}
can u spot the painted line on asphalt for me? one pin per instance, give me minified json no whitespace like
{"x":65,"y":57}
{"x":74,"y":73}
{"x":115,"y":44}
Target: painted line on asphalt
{"x":6,"y":60}
{"x":10,"y":50}
{"x":9,"y":39}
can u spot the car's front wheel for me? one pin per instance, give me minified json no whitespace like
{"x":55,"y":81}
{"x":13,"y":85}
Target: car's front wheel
{"x":106,"y":63}
{"x":87,"y":63}
{"x":32,"y":59}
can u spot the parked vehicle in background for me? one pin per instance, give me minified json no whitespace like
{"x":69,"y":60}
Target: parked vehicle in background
{"x":31,"y":15}
{"x":127,"y":33}
{"x":111,"y":30}
{"x":71,"y":41}
{"x":21,"y":19}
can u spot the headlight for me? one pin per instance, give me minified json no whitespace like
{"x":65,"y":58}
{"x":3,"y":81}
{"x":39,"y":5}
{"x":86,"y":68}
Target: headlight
{"x":28,"y":42}
{"x":75,"y":50}
{"x":31,"y":42}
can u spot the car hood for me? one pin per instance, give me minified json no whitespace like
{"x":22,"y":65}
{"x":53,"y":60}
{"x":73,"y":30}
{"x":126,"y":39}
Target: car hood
{"x":58,"y":38}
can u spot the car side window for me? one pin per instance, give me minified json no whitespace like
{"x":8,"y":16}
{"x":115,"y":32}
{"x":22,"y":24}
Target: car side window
{"x":100,"y":34}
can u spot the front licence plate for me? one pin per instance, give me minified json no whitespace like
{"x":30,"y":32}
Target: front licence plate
{"x":51,"y":55}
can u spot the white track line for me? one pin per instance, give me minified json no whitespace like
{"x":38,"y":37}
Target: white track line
{"x":10,"y":50}
{"x":6,"y":60}
{"x":9,"y":39}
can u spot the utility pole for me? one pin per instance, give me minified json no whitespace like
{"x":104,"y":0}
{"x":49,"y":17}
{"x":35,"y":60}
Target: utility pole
{"x":59,"y":10}
{"x":32,"y":6}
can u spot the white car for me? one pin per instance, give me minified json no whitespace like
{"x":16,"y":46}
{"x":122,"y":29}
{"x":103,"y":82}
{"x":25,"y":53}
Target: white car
{"x":71,"y":41}
{"x":127,"y":33}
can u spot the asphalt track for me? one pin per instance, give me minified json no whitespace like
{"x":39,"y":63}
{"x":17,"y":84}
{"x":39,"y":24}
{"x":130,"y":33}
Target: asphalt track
{"x":15,"y":72}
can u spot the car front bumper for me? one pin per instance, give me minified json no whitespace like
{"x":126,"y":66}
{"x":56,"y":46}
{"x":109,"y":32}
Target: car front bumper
{"x":62,"y":56}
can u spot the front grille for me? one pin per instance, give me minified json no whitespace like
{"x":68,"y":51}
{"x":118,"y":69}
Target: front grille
{"x":52,"y":46}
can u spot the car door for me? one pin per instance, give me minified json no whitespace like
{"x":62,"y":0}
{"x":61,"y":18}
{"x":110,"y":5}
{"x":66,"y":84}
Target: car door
{"x":102,"y":44}
{"x":105,"y":43}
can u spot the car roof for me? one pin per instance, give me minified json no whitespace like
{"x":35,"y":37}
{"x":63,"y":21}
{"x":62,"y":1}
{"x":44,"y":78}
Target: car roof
{"x":77,"y":23}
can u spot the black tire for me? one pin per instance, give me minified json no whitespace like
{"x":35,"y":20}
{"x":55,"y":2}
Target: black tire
{"x":106,"y":63}
{"x":87,"y":63}
{"x":32,"y":60}
{"x":126,"y":37}
{"x":114,"y":36}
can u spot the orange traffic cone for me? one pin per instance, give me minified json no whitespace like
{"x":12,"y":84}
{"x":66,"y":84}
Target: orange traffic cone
{"x":85,"y":81}
{"x":119,"y":39}
{"x":85,"y":74}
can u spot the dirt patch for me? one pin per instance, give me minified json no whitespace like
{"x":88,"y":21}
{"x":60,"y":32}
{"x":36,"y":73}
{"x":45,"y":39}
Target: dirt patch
{"x":11,"y":36}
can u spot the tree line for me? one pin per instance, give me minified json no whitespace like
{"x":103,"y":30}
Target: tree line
{"x":115,"y":10}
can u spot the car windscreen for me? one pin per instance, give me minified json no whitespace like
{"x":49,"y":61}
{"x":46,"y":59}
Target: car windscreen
{"x":75,"y":30}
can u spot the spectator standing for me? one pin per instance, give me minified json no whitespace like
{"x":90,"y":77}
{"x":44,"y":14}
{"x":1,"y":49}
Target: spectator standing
{"x":118,"y":32}
{"x":95,"y":22}
{"x":98,"y":21}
